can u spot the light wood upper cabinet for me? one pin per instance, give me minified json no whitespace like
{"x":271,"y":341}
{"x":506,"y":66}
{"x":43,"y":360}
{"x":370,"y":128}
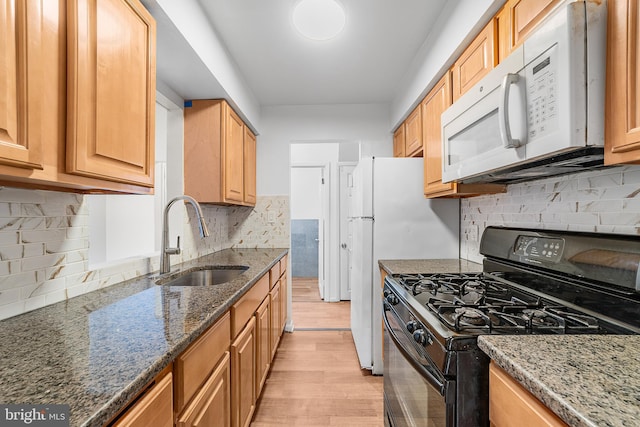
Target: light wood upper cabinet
{"x":20,"y":89}
{"x":433,"y":105}
{"x":249,"y":167}
{"x":622,"y":111}
{"x":398,"y":142}
{"x":153,"y":408}
{"x":111,"y":91}
{"x":511,"y":405}
{"x":503,"y":32}
{"x":436,"y":101}
{"x":214,"y":154}
{"x":233,"y":155}
{"x":475,"y":62}
{"x":525,"y":15}
{"x":413,"y":134}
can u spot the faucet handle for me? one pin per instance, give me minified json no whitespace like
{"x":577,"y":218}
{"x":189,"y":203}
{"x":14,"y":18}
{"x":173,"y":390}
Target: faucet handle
{"x":173,"y":251}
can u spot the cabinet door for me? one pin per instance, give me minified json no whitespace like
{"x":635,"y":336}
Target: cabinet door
{"x":263,"y":343}
{"x":438,"y":100}
{"x":233,"y":158}
{"x":503,"y":36}
{"x":276,"y":317}
{"x":475,"y":62}
{"x":243,"y":377}
{"x":413,"y":133}
{"x":283,"y":302}
{"x":622,"y":113}
{"x":249,"y":167}
{"x":511,"y":405}
{"x":155,"y":408}
{"x":398,"y":142}
{"x":212,"y":405}
{"x":525,"y":15}
{"x":111,"y":91}
{"x":20,"y":64}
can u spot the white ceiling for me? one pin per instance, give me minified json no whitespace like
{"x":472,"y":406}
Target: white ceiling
{"x":364,"y":64}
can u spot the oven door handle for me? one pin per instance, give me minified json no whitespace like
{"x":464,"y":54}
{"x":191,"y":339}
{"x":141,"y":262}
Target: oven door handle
{"x":422,"y":370}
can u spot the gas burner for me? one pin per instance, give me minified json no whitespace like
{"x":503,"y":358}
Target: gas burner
{"x":469,"y":298}
{"x":470,"y":316}
{"x":541,"y":319}
{"x":424,"y":285}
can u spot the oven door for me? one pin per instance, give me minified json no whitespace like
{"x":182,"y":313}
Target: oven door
{"x":415,"y":391}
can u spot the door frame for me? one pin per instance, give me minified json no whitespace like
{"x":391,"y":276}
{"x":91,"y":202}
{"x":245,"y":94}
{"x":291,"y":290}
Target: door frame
{"x":343,"y":231}
{"x":324,"y":223}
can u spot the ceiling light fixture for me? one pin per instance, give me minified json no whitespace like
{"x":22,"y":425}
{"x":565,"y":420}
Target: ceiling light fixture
{"x":319,"y":19}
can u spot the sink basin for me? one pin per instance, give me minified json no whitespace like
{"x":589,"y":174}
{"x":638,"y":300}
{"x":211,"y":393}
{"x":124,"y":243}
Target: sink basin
{"x":206,"y":276}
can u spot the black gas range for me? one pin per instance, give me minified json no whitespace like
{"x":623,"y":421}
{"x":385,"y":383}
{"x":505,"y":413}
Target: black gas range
{"x":533,"y":282}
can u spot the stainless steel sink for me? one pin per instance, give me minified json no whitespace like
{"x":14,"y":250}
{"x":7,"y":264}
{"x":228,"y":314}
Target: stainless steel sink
{"x":206,"y":276}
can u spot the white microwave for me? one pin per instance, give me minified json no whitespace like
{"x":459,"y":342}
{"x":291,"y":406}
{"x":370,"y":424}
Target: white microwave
{"x":540,"y":112}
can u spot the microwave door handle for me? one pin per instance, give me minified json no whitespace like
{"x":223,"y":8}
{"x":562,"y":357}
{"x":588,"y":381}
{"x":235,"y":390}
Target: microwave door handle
{"x":503,"y":111}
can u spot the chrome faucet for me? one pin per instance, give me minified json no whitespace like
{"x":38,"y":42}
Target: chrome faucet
{"x":165,"y":262}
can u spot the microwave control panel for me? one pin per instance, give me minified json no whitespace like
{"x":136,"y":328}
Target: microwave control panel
{"x":542,"y":92}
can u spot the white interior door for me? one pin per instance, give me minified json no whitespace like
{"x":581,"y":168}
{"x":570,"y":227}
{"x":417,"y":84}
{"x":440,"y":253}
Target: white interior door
{"x":346,"y":183}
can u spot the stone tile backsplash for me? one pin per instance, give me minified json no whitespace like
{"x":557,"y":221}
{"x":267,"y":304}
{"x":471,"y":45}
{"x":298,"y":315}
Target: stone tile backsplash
{"x":606,"y":201}
{"x":44,"y":244}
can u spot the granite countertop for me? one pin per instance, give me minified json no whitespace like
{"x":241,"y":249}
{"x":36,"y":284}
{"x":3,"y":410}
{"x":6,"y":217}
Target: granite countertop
{"x":414,"y":266}
{"x":587,"y":380}
{"x":95,"y":352}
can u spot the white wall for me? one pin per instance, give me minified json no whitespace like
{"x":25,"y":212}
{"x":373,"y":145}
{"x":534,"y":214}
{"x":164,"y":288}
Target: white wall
{"x":442,"y":47}
{"x":305,"y":193}
{"x":282,"y":125}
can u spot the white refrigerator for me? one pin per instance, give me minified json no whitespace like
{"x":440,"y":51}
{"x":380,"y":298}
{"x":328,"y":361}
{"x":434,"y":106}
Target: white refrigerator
{"x":390,"y":219}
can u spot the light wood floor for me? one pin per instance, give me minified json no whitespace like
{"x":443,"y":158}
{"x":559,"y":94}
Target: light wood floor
{"x":316,"y":379}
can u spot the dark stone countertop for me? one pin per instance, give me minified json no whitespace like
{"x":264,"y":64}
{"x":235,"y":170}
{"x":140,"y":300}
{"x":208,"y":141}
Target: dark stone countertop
{"x":587,"y":380}
{"x":96,"y":351}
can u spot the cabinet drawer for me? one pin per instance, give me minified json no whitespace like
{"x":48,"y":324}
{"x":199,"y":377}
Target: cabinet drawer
{"x":511,"y":405}
{"x":195,"y":364}
{"x":244,"y":309}
{"x":154,"y":408}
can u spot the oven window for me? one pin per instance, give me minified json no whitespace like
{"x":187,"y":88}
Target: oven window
{"x":410,"y":399}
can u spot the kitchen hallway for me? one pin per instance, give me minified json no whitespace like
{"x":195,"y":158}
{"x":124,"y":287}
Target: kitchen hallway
{"x":316,"y":379}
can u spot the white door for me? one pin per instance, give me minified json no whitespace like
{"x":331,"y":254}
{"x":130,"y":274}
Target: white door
{"x":346,"y":183}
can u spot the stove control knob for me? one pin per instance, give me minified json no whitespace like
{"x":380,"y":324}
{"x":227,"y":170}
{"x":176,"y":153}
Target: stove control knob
{"x":421,"y":337}
{"x":392,"y":299}
{"x":412,"y":325}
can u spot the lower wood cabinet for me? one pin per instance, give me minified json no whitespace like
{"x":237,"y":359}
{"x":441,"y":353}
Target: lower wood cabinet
{"x":153,"y":408}
{"x":510,"y":405}
{"x":195,"y":364}
{"x":243,"y":375}
{"x":211,"y":406}
{"x":276,"y":319}
{"x":263,"y":343}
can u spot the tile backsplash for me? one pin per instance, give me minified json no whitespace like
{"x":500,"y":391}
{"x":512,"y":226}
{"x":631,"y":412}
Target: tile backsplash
{"x":605,"y":200}
{"x":44,"y":244}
